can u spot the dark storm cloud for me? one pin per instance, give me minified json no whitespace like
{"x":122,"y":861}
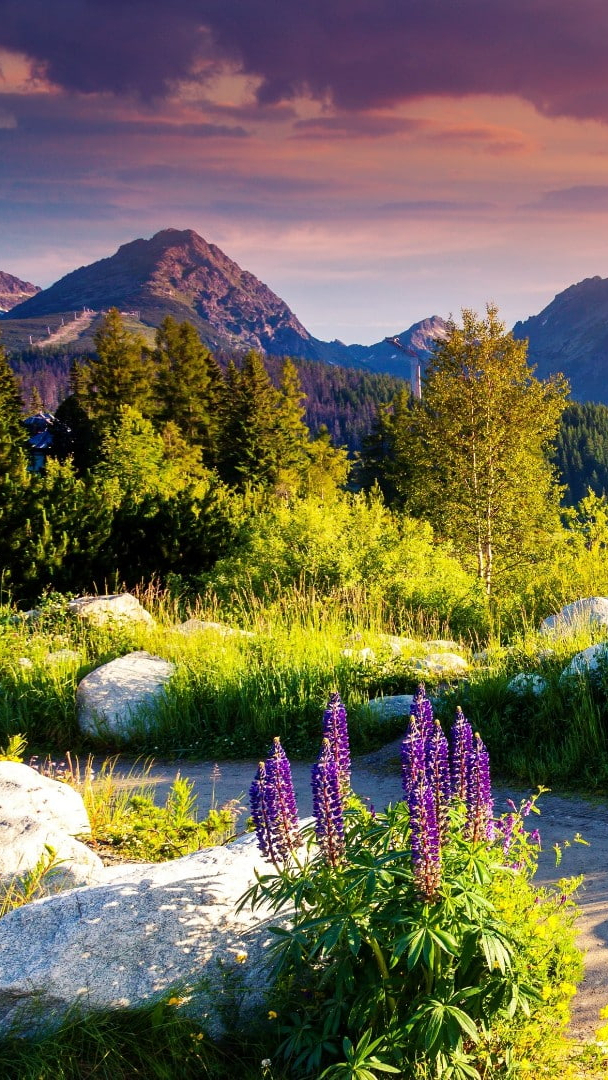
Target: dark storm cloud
{"x":357,"y":53}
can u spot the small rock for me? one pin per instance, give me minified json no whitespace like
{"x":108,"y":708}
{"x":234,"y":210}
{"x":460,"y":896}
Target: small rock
{"x":119,"y":697}
{"x":441,"y":664}
{"x":63,"y":656}
{"x":121,"y":607}
{"x":587,"y":662}
{"x":388,"y":708}
{"x":527,"y":683}
{"x":200,"y":626}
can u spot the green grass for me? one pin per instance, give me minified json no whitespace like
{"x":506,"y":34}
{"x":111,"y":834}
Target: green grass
{"x":152,"y":1043}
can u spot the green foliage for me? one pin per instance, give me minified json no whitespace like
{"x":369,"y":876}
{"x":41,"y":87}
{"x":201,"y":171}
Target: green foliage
{"x":475,"y":460}
{"x":12,"y":432}
{"x":189,"y":385}
{"x":367,"y":969}
{"x":32,"y":885}
{"x":140,"y":829}
{"x":581,"y":450}
{"x":14,"y":749}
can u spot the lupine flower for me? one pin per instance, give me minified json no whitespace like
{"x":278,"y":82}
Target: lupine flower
{"x":273,"y":807}
{"x":412,"y":757}
{"x":327,"y":805}
{"x":462,"y":743}
{"x":438,"y":775}
{"x":505,"y":827}
{"x":258,"y":802}
{"x":422,"y":710}
{"x":281,"y":798}
{"x":426,"y":851}
{"x":479,"y":824}
{"x":335,"y":728}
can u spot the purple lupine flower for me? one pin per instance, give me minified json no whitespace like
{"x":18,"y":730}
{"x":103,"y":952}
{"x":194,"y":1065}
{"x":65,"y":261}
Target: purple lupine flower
{"x":479,"y":824}
{"x":335,"y":728}
{"x":412,"y":757}
{"x":461,"y":738}
{"x":281,"y":801}
{"x":258,"y":802}
{"x":327,"y":805}
{"x":424,"y":839}
{"x":422,"y":710}
{"x":438,"y":775}
{"x":505,"y":826}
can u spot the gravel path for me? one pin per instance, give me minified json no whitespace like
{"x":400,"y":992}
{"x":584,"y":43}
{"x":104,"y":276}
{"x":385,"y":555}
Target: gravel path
{"x":376,"y":777}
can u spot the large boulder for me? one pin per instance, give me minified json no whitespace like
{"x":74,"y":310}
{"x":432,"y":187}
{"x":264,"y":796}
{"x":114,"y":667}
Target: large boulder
{"x":169,"y":926}
{"x":36,"y":811}
{"x":119,"y":698}
{"x":118,"y":607}
{"x":589,"y":610}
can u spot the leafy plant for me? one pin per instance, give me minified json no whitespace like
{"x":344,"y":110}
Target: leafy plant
{"x":33,"y":884}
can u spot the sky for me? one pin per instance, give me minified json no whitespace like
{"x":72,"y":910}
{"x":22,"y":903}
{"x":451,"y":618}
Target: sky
{"x":374,"y":162}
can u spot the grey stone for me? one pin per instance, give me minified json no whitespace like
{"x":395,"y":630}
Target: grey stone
{"x":396,"y":644}
{"x":588,"y":610}
{"x":388,"y":708}
{"x":587,"y":662}
{"x":439,"y":663}
{"x":201,"y":626}
{"x":120,"y":607}
{"x":36,"y":811}
{"x":169,"y":926}
{"x":119,"y":698}
{"x":527,"y":682}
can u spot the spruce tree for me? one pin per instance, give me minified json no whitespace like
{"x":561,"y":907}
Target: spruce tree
{"x":122,"y":373}
{"x":292,"y":434}
{"x":249,"y":446}
{"x":189,"y":385}
{"x":13,"y":437}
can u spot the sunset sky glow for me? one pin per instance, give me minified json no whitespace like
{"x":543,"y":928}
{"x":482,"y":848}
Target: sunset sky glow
{"x":373,"y":161}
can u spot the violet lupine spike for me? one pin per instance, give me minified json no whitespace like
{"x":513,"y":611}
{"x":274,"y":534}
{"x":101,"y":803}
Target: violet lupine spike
{"x":327,"y":806}
{"x":461,"y":738}
{"x":479,"y":823}
{"x":437,"y":770}
{"x":422,"y":709}
{"x":335,"y":728}
{"x":424,"y":839}
{"x":412,"y":757}
{"x":281,"y":801}
{"x":258,"y":802}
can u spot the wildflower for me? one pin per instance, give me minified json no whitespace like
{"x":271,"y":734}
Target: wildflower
{"x":412,"y":757}
{"x":505,"y":827}
{"x":479,"y":825}
{"x":272,"y":1015}
{"x":241,"y":957}
{"x":426,"y":857}
{"x":438,"y":775}
{"x":282,"y":800}
{"x":335,"y":728}
{"x":327,"y":805}
{"x":422,"y":710}
{"x":462,"y":742}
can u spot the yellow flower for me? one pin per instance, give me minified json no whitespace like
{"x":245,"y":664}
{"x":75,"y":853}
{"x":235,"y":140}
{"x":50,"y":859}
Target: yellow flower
{"x":545,"y":993}
{"x":604,"y":1013}
{"x":602,"y":1033}
{"x":568,"y":989}
{"x":241,"y":957}
{"x":272,"y":1015}
{"x":174,"y":1001}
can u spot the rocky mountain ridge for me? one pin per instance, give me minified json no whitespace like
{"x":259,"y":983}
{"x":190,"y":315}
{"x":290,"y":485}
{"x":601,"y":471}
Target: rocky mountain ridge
{"x":178,"y":273}
{"x":14,"y":291}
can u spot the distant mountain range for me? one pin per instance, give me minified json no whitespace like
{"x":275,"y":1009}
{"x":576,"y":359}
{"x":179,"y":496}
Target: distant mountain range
{"x":178,"y":273}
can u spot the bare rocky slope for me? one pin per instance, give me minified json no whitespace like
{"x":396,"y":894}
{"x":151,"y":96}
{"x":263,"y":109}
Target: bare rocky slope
{"x":14,"y":291}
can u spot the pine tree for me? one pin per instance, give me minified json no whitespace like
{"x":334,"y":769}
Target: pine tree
{"x":13,"y":438}
{"x":189,"y":385}
{"x":122,"y":373}
{"x":249,"y":450}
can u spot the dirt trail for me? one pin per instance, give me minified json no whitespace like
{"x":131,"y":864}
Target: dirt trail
{"x":376,"y":777}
